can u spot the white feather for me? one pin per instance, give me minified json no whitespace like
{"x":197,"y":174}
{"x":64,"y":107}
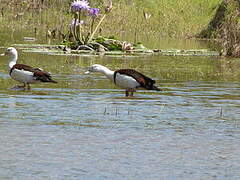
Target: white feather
{"x":23,"y":76}
{"x":126,"y":82}
{"x":122,"y":81}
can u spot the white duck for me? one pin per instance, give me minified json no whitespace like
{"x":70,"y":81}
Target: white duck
{"x":128,"y":79}
{"x":23,"y":73}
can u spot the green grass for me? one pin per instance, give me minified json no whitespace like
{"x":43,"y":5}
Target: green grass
{"x":169,"y":18}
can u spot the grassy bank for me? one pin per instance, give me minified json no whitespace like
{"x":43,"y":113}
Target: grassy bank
{"x":165,"y":18}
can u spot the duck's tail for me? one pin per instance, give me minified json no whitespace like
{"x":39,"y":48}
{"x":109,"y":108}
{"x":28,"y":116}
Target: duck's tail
{"x":52,"y":81}
{"x":155,"y":88}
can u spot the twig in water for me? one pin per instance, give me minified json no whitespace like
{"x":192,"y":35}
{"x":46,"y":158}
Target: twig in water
{"x":162,"y":107}
{"x":82,"y":47}
{"x":221,"y":112}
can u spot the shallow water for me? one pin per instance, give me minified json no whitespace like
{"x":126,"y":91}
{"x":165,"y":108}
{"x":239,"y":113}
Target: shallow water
{"x":84,"y":128}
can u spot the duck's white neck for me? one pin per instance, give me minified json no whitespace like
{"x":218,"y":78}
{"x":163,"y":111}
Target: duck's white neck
{"x":12,"y":60}
{"x":107,"y":72}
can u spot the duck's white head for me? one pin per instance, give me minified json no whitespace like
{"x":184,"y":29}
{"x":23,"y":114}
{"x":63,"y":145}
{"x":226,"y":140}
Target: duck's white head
{"x":11,"y":51}
{"x":96,"y":68}
{"x":101,"y":69}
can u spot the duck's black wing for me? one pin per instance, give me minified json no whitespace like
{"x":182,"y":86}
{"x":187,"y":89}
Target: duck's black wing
{"x":143,"y":80}
{"x":38,"y":73}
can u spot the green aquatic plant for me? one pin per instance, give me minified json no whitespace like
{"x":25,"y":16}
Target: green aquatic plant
{"x":86,"y":23}
{"x":82,"y":31}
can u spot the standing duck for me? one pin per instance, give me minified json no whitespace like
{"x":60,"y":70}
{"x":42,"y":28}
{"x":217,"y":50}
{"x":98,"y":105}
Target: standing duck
{"x":23,"y":73}
{"x":128,"y":79}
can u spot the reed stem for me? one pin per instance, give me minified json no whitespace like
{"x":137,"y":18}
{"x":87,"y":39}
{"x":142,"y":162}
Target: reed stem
{"x":100,"y":22}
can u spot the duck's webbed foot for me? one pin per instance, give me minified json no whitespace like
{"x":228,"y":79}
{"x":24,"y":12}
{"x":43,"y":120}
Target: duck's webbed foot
{"x":19,"y":87}
{"x":129,"y":92}
{"x":28,"y":87}
{"x":126,"y":93}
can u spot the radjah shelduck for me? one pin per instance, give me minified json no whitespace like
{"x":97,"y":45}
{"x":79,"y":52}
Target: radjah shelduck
{"x":23,"y":73}
{"x":128,"y":79}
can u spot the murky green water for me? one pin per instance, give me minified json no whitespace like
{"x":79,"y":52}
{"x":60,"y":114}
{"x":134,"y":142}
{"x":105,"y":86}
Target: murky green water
{"x":84,"y":128}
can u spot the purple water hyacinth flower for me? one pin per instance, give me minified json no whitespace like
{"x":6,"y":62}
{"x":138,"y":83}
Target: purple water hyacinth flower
{"x":79,"y":5}
{"x":93,"y":12}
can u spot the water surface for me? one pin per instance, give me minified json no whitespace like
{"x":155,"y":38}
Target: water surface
{"x":84,"y":128}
